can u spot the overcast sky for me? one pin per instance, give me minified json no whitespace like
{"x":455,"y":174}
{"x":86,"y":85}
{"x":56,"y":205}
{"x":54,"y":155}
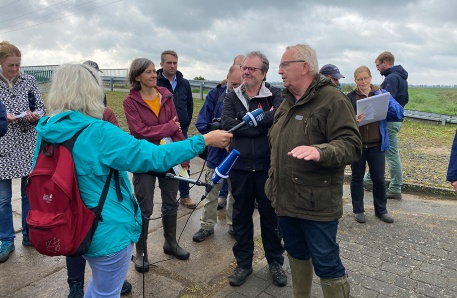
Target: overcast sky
{"x":208,"y":34}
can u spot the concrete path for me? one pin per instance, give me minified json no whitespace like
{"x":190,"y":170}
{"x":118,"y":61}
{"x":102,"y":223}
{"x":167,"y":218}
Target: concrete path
{"x":414,"y":257}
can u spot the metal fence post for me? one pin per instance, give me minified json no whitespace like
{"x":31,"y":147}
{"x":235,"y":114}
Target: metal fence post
{"x":111,"y":84}
{"x":201,"y":90}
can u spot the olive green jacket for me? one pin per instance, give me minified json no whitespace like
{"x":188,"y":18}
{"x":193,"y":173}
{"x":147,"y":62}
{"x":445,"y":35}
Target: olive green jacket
{"x":322,"y":118}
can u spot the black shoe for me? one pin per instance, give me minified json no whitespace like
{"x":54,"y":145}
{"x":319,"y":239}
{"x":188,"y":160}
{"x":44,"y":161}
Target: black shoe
{"x":126,"y":288}
{"x":76,"y":288}
{"x":278,"y":274}
{"x":393,"y":195}
{"x":385,"y":218}
{"x":202,"y":234}
{"x":360,"y":217}
{"x":238,"y":276}
{"x":26,"y":241}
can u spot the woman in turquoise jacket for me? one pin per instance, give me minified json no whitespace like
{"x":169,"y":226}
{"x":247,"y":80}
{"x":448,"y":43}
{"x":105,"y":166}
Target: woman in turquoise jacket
{"x":75,"y":100}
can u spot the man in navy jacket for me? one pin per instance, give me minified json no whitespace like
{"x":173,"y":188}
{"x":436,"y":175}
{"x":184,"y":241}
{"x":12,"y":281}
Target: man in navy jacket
{"x":172,"y":79}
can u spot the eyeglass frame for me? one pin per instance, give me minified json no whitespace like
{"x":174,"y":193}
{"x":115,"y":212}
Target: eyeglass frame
{"x":363,"y":79}
{"x":286,"y":63}
{"x":251,"y":69}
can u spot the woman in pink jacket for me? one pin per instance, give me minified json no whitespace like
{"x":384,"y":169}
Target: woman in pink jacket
{"x":151,"y":115}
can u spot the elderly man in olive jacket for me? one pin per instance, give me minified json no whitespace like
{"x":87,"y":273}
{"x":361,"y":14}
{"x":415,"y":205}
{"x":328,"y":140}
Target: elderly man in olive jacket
{"x":313,"y":137}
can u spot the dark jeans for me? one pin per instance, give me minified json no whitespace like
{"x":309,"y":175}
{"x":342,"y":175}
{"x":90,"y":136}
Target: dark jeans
{"x":184,"y":187}
{"x":305,"y":239}
{"x":246,"y":187}
{"x":75,"y":267}
{"x":376,"y":162}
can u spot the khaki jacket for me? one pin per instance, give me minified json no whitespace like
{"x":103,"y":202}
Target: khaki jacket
{"x":323,"y":118}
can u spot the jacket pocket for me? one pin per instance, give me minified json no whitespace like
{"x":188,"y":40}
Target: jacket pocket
{"x":314,"y":192}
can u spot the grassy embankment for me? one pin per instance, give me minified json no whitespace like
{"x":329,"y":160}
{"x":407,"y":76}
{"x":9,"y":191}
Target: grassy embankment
{"x":424,"y":147}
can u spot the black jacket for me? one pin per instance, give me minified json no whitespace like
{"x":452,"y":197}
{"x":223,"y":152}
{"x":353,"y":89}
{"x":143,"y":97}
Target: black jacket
{"x":252,"y":142}
{"x":182,"y":97}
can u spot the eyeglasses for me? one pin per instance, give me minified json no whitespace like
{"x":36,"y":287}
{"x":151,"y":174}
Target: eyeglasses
{"x":249,"y":68}
{"x":363,"y":79}
{"x":285,"y":64}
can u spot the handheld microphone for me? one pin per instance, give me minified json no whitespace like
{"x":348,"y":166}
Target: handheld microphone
{"x":222,"y":170}
{"x":251,"y":119}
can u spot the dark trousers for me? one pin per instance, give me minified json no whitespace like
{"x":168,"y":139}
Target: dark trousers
{"x":184,"y":188}
{"x":377,"y":163}
{"x":246,"y":188}
{"x":75,"y":267}
{"x":305,"y":239}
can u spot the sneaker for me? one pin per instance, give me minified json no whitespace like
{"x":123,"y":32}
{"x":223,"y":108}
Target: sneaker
{"x":368,"y":186}
{"x":393,"y":195}
{"x":202,"y":234}
{"x":385,"y":218}
{"x":188,"y":202}
{"x":126,"y":288}
{"x":221,"y":202}
{"x":238,"y":276}
{"x":6,"y":249}
{"x":360,"y":217}
{"x":278,"y":274}
{"x":26,"y":241}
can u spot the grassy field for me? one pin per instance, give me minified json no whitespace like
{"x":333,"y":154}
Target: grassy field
{"x":424,"y":147}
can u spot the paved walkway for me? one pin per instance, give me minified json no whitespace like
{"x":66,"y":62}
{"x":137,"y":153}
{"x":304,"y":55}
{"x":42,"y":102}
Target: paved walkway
{"x":414,"y":257}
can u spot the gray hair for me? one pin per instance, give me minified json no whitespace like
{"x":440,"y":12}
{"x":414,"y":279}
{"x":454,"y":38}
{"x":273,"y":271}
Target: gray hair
{"x":305,"y":52}
{"x":138,"y":66}
{"x":76,"y":87}
{"x":265,"y":64}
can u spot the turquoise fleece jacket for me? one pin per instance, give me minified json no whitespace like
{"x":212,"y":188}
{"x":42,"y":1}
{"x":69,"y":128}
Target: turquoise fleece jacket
{"x":102,"y":146}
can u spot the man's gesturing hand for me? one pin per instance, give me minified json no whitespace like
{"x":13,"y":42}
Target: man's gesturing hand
{"x":305,"y":152}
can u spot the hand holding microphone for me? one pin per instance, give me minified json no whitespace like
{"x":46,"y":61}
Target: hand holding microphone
{"x":251,"y":119}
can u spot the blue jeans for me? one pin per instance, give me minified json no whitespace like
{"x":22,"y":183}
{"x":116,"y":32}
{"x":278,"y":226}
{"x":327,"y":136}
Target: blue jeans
{"x":108,"y":273}
{"x":6,"y":209}
{"x":305,"y":239}
{"x":377,"y":164}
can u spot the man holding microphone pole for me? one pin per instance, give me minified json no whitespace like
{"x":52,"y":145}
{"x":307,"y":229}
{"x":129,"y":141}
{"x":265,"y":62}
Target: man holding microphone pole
{"x":250,"y":171}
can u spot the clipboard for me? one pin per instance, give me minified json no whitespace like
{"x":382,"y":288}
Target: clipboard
{"x":374,"y":107}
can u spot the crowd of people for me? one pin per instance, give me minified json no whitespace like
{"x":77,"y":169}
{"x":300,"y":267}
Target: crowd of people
{"x":291,"y":163}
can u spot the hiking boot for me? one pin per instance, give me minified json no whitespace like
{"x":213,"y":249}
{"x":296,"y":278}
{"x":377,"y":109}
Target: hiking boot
{"x":360,"y":217}
{"x":221,"y":203}
{"x":278,"y":274}
{"x":6,"y":249}
{"x":126,"y":288}
{"x":188,"y":202}
{"x":202,"y":234}
{"x":368,"y":186}
{"x":26,"y":241}
{"x":76,"y":288}
{"x":238,"y":276}
{"x":385,"y":218}
{"x":393,"y":195}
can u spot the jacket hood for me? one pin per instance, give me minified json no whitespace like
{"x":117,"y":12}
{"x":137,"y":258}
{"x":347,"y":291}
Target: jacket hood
{"x":397,"y":69}
{"x":63,"y":126}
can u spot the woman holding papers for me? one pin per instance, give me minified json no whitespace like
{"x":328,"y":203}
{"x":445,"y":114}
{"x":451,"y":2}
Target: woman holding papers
{"x":151,"y":115}
{"x":375,"y":142}
{"x":20,"y":94}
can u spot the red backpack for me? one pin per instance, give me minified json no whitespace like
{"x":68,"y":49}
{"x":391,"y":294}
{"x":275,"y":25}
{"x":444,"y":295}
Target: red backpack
{"x":59,"y":223}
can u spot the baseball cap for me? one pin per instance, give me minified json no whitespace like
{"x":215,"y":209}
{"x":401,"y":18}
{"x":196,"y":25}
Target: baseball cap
{"x":332,"y":70}
{"x":93,"y":64}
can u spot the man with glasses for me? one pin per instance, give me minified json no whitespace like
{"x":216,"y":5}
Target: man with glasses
{"x":313,"y":137}
{"x":249,"y":173}
{"x":396,"y":83}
